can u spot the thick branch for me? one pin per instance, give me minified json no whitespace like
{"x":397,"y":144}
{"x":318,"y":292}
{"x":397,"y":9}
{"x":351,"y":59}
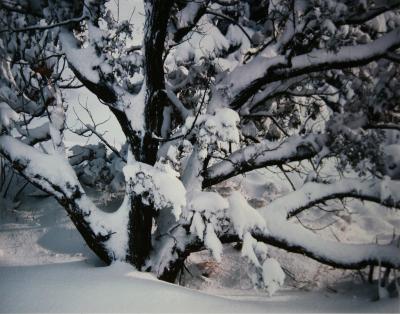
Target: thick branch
{"x":260,"y":155}
{"x":261,"y":71}
{"x":296,"y":239}
{"x":312,"y":193}
{"x":53,"y":174}
{"x":158,"y":14}
{"x":197,"y":11}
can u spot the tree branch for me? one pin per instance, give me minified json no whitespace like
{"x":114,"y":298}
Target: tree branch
{"x":53,"y":174}
{"x":44,"y":27}
{"x":267,"y":70}
{"x":313,"y":193}
{"x":260,"y":155}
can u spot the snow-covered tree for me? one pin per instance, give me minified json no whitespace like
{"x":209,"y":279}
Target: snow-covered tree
{"x":217,"y":89}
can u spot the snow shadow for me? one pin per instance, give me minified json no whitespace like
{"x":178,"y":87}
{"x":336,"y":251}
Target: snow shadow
{"x":64,"y":240}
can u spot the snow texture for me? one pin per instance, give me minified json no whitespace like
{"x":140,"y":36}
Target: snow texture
{"x":163,"y":189}
{"x":273,"y":275}
{"x":244,"y":217}
{"x":7,"y":116}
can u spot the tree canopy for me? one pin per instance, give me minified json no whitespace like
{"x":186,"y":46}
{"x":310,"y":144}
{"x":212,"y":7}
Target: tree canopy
{"x":218,"y":88}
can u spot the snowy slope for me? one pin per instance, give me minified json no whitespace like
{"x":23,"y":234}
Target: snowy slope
{"x":81,"y":287}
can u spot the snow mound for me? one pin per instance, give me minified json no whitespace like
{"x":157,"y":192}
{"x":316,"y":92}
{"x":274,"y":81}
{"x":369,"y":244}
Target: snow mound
{"x":154,"y":185}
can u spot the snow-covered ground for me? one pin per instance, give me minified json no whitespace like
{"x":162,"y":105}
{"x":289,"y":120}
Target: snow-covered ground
{"x":46,"y":267}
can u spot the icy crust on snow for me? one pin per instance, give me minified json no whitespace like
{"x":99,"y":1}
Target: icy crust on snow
{"x":163,"y":189}
{"x":7,"y":116}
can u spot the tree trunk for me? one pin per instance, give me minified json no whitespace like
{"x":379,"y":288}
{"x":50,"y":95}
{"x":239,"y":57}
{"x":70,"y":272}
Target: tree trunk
{"x":139,"y":231}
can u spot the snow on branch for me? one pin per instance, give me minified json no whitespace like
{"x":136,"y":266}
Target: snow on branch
{"x":379,"y":8}
{"x":383,"y":191}
{"x":161,"y":188}
{"x":36,"y":135}
{"x":7,"y":116}
{"x":83,"y":62}
{"x":54,"y":175}
{"x":294,"y":238}
{"x":177,"y":103}
{"x":247,"y":79}
{"x":262,"y":155}
{"x":50,"y":172}
{"x":44,"y":27}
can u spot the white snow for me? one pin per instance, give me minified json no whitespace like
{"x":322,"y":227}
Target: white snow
{"x":44,"y":267}
{"x":165,"y":190}
{"x":197,"y":227}
{"x":210,"y":202}
{"x":243,"y":216}
{"x":248,"y":249}
{"x":82,"y":59}
{"x":134,"y":106}
{"x":212,"y":242}
{"x":207,"y":40}
{"x":7,"y":116}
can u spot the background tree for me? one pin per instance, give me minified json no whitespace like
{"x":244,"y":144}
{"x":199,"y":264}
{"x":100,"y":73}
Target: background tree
{"x":218,"y":89}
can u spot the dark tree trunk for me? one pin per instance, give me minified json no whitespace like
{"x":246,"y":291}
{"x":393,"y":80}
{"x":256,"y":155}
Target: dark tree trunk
{"x":139,"y":231}
{"x":157,"y":17}
{"x":141,"y":214}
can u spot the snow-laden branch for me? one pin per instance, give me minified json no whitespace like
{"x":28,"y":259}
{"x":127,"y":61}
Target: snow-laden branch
{"x":54,"y":175}
{"x":187,"y":18}
{"x":384,"y":192}
{"x":294,"y":238}
{"x":177,"y":103}
{"x":247,"y":79}
{"x":44,"y":27}
{"x":274,"y":229}
{"x":379,"y":8}
{"x":271,"y":90}
{"x":35,"y":135}
{"x":84,"y":63}
{"x":260,"y":155}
